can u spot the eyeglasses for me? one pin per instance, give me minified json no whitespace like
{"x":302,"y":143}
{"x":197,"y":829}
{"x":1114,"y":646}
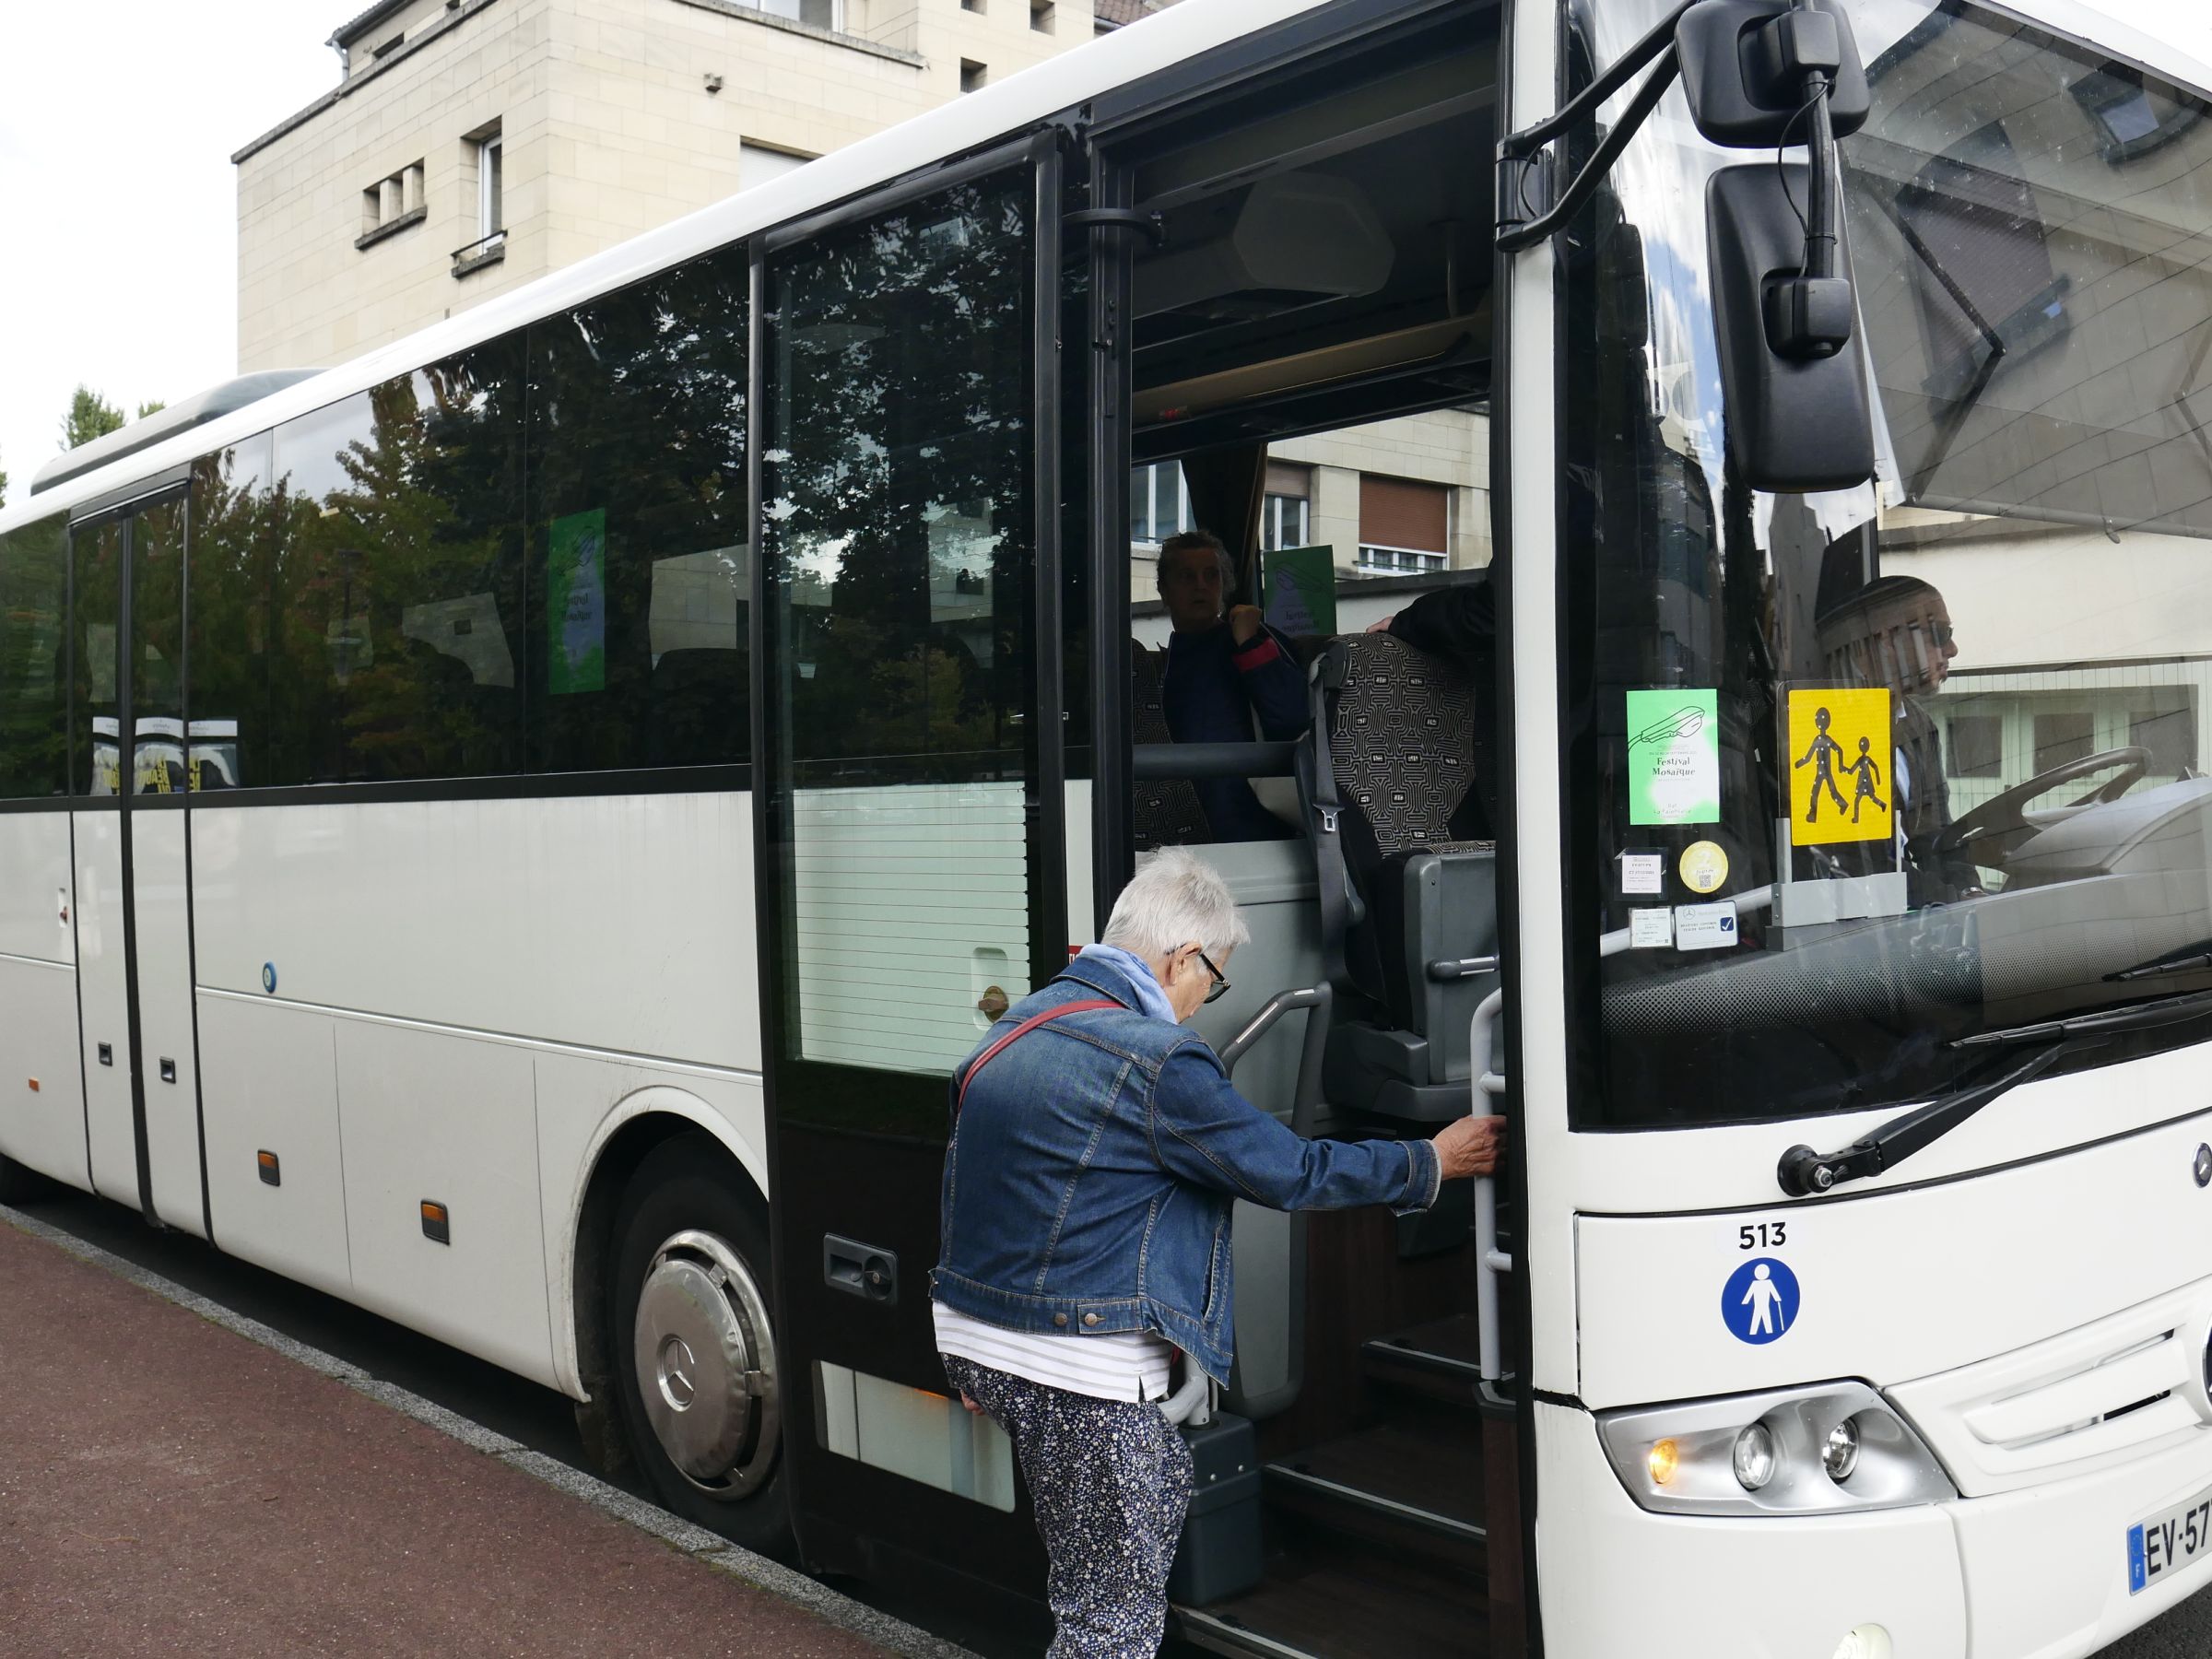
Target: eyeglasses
{"x":1220,"y":988}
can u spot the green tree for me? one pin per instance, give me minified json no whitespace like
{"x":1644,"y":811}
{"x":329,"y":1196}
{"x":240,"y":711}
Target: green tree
{"x":151,"y":406}
{"x":3,"y":485}
{"x":91,"y":415}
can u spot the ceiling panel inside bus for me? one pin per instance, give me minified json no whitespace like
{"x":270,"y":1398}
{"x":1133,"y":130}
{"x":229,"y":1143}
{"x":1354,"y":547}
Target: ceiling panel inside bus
{"x":1326,"y":258}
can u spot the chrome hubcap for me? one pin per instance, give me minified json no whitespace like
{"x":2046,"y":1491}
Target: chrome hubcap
{"x":706,"y":1365}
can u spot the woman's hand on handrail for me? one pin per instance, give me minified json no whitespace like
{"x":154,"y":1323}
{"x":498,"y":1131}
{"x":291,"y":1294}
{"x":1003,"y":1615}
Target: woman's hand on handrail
{"x":1471,"y":1147}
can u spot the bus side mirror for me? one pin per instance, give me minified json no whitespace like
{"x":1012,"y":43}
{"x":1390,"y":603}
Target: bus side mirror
{"x":1795,"y":420}
{"x":1758,"y":75}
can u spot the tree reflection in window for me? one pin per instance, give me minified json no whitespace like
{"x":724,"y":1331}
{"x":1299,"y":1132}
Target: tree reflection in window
{"x":898,"y":524}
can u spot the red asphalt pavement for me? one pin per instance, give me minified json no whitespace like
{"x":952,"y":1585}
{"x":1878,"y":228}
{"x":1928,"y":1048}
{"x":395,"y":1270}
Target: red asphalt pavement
{"x":167,"y":1486}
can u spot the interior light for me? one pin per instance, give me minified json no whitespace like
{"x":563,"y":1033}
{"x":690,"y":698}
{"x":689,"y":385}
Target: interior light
{"x":1754,"y":1457}
{"x":1840,"y":1457}
{"x":1665,"y":1458}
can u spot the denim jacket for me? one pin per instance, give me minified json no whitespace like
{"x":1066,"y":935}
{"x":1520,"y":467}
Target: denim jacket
{"x":1089,"y":1182}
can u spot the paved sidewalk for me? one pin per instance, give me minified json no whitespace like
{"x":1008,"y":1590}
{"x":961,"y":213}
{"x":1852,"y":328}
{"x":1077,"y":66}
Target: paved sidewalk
{"x":167,"y":1486}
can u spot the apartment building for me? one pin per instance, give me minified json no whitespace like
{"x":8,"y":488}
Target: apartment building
{"x":472,"y":145}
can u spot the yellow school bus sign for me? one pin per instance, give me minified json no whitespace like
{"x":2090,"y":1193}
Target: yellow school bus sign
{"x":1839,"y":767}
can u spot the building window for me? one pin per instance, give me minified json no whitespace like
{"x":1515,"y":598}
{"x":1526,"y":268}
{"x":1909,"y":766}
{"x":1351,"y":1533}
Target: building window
{"x":1397,"y":561}
{"x":972,"y":6}
{"x":1977,"y":745}
{"x":2063,"y":737}
{"x":971,"y":75}
{"x":1285,"y":513}
{"x":1404,"y":515}
{"x":491,"y":214}
{"x":1040,"y":17}
{"x":815,"y":13}
{"x":2168,"y":730}
{"x":388,"y":48}
{"x":756,"y":164}
{"x":1159,"y":502}
{"x":484,"y":171}
{"x":392,"y":203}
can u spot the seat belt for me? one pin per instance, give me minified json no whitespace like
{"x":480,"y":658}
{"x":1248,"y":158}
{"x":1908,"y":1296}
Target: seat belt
{"x":1023,"y":1030}
{"x":1341,"y":909}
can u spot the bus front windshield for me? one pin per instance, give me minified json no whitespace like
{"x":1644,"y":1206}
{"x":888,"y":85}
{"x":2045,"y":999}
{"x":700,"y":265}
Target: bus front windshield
{"x":1853,"y":776}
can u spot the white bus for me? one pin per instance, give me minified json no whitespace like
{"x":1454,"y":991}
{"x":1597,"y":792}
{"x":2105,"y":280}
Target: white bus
{"x":639,"y":731}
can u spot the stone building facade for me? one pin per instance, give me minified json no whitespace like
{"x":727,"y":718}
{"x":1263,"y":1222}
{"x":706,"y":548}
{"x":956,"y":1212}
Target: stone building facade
{"x":371,"y":212}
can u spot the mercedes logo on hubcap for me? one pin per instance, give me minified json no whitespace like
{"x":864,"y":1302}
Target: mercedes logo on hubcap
{"x":676,"y":1365}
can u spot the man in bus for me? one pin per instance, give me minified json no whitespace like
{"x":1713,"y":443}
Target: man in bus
{"x":1226,"y":668}
{"x":1097,"y":1149}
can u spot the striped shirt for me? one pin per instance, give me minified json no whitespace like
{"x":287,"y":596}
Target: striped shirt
{"x":1125,"y":1365}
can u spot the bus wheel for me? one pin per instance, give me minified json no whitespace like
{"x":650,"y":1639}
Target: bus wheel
{"x":695,"y":1348}
{"x":18,"y":1184}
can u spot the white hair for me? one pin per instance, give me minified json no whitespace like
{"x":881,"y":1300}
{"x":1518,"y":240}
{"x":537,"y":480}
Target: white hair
{"x":1175,"y":897}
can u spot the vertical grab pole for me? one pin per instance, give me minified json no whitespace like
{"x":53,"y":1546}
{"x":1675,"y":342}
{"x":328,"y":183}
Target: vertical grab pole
{"x":1491,"y":1263}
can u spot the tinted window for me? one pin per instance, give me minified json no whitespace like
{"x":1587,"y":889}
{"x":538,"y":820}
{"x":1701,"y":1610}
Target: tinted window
{"x":34,"y":599}
{"x":394,"y":597}
{"x":898,"y":535}
{"x":639,"y":568}
{"x":158,"y":624}
{"x":95,"y":618}
{"x":237,"y":534}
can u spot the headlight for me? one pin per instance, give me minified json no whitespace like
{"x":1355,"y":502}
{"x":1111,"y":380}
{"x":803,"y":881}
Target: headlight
{"x":1827,"y":1448}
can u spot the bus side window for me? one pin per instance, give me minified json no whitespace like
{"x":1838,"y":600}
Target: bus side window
{"x":639,"y":568}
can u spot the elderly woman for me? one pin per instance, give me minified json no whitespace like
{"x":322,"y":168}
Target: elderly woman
{"x":1097,"y":1148}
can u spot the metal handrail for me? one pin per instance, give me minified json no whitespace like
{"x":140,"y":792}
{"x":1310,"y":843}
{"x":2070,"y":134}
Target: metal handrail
{"x":1492,"y":1263}
{"x":1192,"y":1400}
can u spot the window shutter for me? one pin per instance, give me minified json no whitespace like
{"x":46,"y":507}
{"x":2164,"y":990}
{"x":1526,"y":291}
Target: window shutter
{"x":1398,"y":512}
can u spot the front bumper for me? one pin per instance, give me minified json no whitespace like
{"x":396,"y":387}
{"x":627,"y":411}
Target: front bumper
{"x":2035,"y":1573}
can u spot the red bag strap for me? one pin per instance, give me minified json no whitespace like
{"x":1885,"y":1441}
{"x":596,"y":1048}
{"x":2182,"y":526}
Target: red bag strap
{"x":1027,"y":1026}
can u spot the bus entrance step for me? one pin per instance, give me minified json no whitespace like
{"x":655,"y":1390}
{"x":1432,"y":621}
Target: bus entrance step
{"x":1352,"y":1609}
{"x":1440,"y":1359}
{"x":1413,"y":1491}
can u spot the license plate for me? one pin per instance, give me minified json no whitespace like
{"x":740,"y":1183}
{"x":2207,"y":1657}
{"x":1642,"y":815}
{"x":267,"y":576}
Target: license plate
{"x":2168,"y":1542}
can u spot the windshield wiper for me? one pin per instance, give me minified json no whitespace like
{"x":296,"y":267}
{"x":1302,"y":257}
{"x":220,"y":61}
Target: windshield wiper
{"x":2120,"y":1017}
{"x":2189,"y":961}
{"x":1802,"y":1172}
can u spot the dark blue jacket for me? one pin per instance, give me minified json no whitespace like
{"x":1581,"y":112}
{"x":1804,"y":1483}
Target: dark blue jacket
{"x":1212,"y":689}
{"x":1089,"y":1182}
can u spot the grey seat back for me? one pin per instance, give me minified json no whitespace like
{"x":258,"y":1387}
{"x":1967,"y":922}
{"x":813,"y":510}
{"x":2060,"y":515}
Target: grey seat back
{"x":1404,"y":742}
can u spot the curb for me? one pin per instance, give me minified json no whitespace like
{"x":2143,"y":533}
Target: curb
{"x":784,"y":1582}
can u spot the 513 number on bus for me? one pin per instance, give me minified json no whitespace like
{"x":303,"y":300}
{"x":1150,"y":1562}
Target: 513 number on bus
{"x":1763,"y":1235}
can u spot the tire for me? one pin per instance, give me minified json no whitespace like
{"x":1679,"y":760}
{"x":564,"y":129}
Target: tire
{"x":692,"y":1343}
{"x":19,"y":1185}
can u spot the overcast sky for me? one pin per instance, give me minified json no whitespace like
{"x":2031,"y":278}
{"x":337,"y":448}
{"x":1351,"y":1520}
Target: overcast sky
{"x":118,"y":262}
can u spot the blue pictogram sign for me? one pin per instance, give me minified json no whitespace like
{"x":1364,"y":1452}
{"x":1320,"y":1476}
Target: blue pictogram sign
{"x":1759,"y":1301}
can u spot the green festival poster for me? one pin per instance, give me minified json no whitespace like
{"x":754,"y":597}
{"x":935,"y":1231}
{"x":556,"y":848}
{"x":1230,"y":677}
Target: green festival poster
{"x":576,"y":603}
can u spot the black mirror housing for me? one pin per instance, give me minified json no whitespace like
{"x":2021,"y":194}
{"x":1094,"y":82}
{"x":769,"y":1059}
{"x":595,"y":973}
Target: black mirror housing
{"x":1797,"y":417}
{"x":1744,"y":63}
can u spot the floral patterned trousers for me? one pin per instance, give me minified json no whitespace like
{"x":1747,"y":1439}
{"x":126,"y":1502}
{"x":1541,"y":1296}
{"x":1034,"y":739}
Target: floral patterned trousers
{"x":1109,"y":1480}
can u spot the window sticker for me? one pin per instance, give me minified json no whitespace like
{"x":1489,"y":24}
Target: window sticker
{"x":576,"y":603}
{"x":1673,"y":757}
{"x":1643,"y":873}
{"x":1704,"y":867}
{"x":1650,"y":929}
{"x":1705,"y":927}
{"x":1840,"y":782}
